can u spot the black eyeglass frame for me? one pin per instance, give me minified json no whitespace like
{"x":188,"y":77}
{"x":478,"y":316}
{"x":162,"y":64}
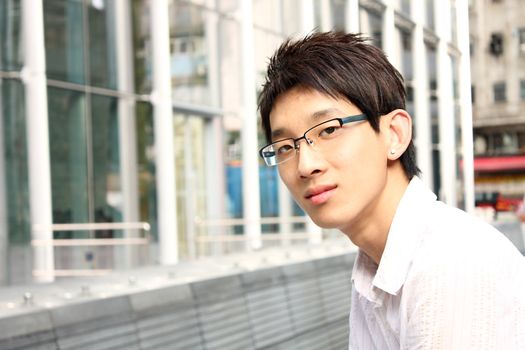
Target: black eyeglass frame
{"x":342,"y":121}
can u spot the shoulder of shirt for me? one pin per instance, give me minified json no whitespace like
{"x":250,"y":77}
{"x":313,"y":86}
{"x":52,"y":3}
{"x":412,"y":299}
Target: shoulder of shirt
{"x":455,"y":238}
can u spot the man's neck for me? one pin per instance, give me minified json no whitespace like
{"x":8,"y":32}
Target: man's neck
{"x":370,"y":231}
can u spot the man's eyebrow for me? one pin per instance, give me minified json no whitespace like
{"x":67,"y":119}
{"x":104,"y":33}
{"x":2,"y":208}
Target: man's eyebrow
{"x":315,"y":116}
{"x":324,"y":112}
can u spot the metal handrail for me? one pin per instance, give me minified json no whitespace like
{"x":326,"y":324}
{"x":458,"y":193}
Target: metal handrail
{"x":242,"y":221}
{"x":95,"y":226}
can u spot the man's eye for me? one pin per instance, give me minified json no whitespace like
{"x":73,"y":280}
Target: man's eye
{"x":329,"y":131}
{"x":284,"y":149}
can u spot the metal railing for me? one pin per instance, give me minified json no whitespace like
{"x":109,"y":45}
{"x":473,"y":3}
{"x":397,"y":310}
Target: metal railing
{"x":90,"y":241}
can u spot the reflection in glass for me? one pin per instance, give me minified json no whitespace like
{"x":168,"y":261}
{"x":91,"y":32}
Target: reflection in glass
{"x":106,"y":169}
{"x":430,"y":14}
{"x":64,"y":40}
{"x":338,"y":11}
{"x":191,"y":188}
{"x":189,"y":54}
{"x":10,"y":35}
{"x":146,"y":166}
{"x":102,"y":46}
{"x":15,"y":160}
{"x":141,"y":46}
{"x":68,"y":149}
{"x":371,"y":24}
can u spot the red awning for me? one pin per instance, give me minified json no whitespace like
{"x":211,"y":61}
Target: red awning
{"x":503,"y":163}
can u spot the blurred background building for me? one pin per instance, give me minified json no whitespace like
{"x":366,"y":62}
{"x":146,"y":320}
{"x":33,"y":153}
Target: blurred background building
{"x":129,"y":128}
{"x":497,"y":52}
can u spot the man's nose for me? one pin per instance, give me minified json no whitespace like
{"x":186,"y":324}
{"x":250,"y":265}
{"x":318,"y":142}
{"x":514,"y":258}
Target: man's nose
{"x":309,"y":160}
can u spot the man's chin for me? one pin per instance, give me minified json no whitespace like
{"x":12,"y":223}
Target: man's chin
{"x":324,"y":222}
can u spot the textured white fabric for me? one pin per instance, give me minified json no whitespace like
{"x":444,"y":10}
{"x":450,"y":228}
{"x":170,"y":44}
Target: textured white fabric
{"x":446,"y":280}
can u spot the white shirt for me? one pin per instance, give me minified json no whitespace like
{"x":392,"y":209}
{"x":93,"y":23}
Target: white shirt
{"x":446,"y":280}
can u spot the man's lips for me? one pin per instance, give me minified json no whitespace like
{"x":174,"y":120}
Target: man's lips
{"x":319,"y":194}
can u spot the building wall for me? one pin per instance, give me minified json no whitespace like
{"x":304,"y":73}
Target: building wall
{"x":498,"y":79}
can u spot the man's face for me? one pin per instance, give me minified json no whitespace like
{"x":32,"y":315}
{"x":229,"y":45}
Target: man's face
{"x":338,"y":186}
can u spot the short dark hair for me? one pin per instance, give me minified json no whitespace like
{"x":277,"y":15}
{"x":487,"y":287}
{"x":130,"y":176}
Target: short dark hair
{"x":339,"y":65}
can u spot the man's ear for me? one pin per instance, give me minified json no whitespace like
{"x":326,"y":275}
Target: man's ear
{"x":399,"y":132}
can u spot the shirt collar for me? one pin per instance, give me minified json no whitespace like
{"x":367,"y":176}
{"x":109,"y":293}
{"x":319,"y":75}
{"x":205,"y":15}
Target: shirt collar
{"x":404,"y":236}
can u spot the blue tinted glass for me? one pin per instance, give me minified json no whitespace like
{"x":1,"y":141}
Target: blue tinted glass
{"x":64,"y":39}
{"x":69,"y":173}
{"x":102,"y":45}
{"x":10,"y":35}
{"x":13,"y":137}
{"x":106,"y":160}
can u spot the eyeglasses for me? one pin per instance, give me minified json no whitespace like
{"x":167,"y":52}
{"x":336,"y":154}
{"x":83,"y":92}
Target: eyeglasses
{"x":320,"y":136}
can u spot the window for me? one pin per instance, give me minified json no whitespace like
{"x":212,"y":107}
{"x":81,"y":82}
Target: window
{"x":496,"y":44}
{"x":521,"y":38}
{"x":522,"y":89}
{"x":473,"y":94}
{"x":500,"y":92}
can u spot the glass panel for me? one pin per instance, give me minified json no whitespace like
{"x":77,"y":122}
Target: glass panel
{"x":406,"y":7}
{"x":371,"y":25}
{"x":406,"y":55}
{"x":190,"y":167}
{"x":430,"y":14}
{"x":102,"y":46}
{"x":146,"y":166}
{"x":291,"y":21}
{"x":67,"y":141}
{"x":500,"y":92}
{"x":338,"y":9}
{"x":10,"y":35}
{"x":142,"y":46}
{"x":106,"y":168}
{"x":230,"y":85}
{"x":64,"y":40}
{"x":12,"y":111}
{"x":189,"y":54}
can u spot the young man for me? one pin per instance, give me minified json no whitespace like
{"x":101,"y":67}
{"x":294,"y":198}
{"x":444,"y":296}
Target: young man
{"x":427,"y":276}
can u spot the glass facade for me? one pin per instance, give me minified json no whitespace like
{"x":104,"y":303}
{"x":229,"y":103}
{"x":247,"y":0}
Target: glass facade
{"x":10,"y":35}
{"x":69,"y":156}
{"x":15,"y":160}
{"x":103,"y":160}
{"x":64,"y":40}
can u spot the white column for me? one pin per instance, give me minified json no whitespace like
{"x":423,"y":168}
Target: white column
{"x":126,"y":121}
{"x":214,"y":131}
{"x":307,"y":17}
{"x":4,"y":241}
{"x":250,"y":163}
{"x":390,"y":35}
{"x":421,"y":96}
{"x":462,"y":20}
{"x":163,"y":131}
{"x":352,"y":16}
{"x":326,"y":16}
{"x":445,"y":105}
{"x":34,"y":78}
